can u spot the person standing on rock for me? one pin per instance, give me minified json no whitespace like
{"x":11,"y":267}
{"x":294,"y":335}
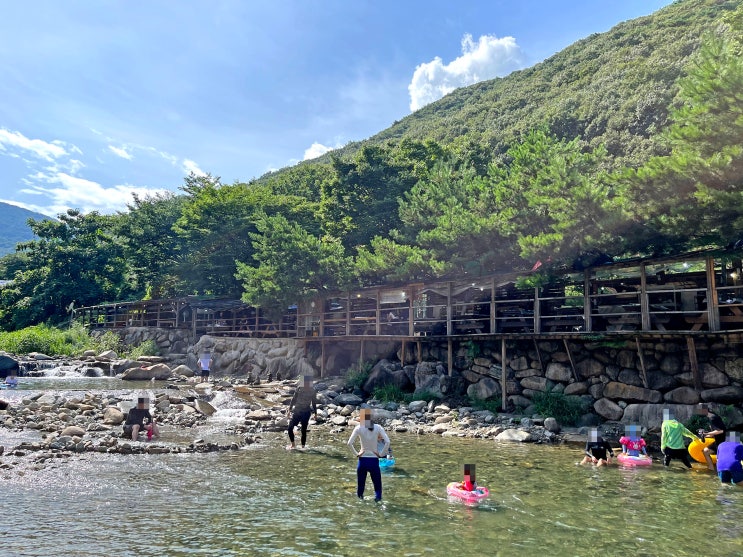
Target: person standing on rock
{"x":672,"y":444}
{"x":304,"y":403}
{"x":138,"y":419}
{"x":368,"y":457}
{"x":205,"y":364}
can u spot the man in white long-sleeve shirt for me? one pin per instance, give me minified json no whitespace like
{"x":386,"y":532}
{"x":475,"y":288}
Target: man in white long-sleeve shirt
{"x":368,"y":433}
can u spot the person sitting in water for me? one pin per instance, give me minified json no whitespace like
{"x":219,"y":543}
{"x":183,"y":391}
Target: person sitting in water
{"x":138,"y":419}
{"x":729,"y":457}
{"x":469,"y":483}
{"x":632,"y":443}
{"x":598,"y":450}
{"x":11,"y":381}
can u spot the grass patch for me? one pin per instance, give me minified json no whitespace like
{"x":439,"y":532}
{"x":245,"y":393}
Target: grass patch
{"x":356,"y":376}
{"x":564,"y":409}
{"x":390,"y":393}
{"x":46,"y":340}
{"x":494,"y":405}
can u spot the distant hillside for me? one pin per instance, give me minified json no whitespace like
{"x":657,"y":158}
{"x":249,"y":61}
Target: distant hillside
{"x":611,"y":88}
{"x":15,"y":228}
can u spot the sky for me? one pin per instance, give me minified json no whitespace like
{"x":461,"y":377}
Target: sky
{"x":100,"y":99}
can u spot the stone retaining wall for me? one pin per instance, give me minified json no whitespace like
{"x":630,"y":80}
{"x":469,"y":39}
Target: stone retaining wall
{"x":608,"y":377}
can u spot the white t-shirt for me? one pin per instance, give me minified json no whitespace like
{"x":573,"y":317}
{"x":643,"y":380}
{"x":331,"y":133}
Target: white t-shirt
{"x":368,"y":439}
{"x":205,"y":362}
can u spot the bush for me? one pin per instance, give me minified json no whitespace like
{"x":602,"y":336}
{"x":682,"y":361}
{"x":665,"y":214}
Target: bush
{"x":356,"y":376}
{"x":697,"y":422}
{"x":564,"y":409}
{"x":147,"y":348}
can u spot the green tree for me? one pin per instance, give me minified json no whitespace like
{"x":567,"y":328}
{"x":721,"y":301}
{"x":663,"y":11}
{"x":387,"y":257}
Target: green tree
{"x":693,"y":197}
{"x":77,"y":259}
{"x":151,"y":245}
{"x":292,"y":265}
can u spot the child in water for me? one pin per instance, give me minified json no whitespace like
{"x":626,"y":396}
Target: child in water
{"x":469,"y":482}
{"x":11,"y":381}
{"x":598,"y":450}
{"x":632,"y":443}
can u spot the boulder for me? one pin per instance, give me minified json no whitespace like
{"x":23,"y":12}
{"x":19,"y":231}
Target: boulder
{"x":579,"y":388}
{"x":72,"y":431}
{"x":616,"y":390}
{"x":608,"y":409}
{"x":113,"y":416}
{"x":8,"y":364}
{"x":159,"y":372}
{"x":651,"y":415}
{"x":484,"y":389}
{"x":724,"y":395}
{"x":344,"y":399}
{"x":183,"y":370}
{"x":551,"y":425}
{"x":537,"y":384}
{"x":108,"y":355}
{"x":558,"y":372}
{"x":682,"y":395}
{"x":514,"y":435}
{"x":204,"y":407}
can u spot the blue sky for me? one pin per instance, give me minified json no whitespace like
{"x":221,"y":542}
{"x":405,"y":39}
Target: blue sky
{"x":100,"y":99}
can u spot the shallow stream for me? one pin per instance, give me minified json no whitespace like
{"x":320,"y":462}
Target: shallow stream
{"x":265,"y":500}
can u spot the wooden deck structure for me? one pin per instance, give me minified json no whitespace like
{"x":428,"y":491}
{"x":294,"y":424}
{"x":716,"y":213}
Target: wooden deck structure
{"x":693,"y":294}
{"x":690,"y":293}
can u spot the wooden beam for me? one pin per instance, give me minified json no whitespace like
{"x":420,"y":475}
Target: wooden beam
{"x":449,"y":357}
{"x":322,"y":357}
{"x":642,"y":363}
{"x":503,"y":375}
{"x":539,"y":356}
{"x":691,"y":346}
{"x":570,"y":357}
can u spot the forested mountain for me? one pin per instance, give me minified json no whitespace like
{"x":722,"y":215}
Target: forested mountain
{"x":613,"y":88}
{"x":15,"y":227}
{"x":625,"y":143}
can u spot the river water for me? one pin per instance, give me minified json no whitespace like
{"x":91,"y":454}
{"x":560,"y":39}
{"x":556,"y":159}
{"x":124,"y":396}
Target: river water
{"x":264,"y":500}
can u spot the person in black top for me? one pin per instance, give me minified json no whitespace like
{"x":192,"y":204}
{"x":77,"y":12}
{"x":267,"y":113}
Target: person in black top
{"x":139,"y":418}
{"x":598,"y":450}
{"x":304,"y":403}
{"x":716,"y":432}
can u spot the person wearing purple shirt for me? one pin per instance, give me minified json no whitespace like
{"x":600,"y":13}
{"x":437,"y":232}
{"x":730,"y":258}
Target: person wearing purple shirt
{"x":729,"y":457}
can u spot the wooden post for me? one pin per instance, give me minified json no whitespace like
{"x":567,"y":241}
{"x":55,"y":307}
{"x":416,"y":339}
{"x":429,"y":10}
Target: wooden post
{"x":713,"y":302}
{"x":403,"y":353}
{"x":539,"y":355}
{"x":449,"y":357}
{"x":642,"y":363}
{"x":570,"y":357}
{"x":322,"y":357}
{"x":644,"y":303}
{"x":419,"y":349}
{"x":503,"y":374}
{"x":361,"y":352}
{"x":694,"y":363}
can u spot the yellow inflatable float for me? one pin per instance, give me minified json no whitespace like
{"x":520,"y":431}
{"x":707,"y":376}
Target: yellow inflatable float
{"x":696,"y":449}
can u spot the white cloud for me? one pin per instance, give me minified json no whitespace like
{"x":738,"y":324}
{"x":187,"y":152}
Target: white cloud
{"x":487,"y":58}
{"x":191,"y":167}
{"x":65,"y":191}
{"x":315,"y":150}
{"x":120,"y":152}
{"x":42,"y":149}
